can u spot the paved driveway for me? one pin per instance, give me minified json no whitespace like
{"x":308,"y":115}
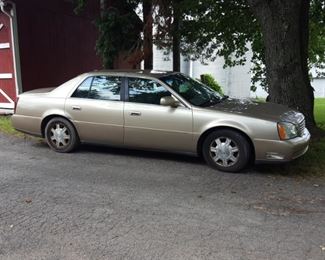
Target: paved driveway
{"x":104,"y":203}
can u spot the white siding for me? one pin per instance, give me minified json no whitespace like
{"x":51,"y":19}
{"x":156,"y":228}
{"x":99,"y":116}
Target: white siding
{"x":162,"y":61}
{"x":235,"y":81}
{"x":319,"y":86}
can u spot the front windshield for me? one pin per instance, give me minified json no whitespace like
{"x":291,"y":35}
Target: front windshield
{"x":192,"y":90}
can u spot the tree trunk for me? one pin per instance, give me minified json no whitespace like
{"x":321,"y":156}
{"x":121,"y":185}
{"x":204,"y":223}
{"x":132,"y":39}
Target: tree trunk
{"x":285,"y":27}
{"x":103,"y":7}
{"x":147,"y":32}
{"x":176,"y":37}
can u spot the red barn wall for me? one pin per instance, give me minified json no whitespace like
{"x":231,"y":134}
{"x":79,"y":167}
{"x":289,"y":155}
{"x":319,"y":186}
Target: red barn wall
{"x":55,"y":44}
{"x":6,"y":62}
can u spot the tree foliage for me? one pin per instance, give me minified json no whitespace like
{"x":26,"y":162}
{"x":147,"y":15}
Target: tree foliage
{"x":214,"y":28}
{"x":317,"y":34}
{"x":207,"y":29}
{"x":211,"y":28}
{"x":119,"y":30}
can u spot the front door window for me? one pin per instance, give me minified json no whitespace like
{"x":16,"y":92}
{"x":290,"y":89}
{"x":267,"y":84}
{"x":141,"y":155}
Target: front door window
{"x":146,"y":91}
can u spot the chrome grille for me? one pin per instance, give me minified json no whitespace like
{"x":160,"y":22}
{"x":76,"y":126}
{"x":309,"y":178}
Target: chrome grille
{"x":301,"y":127}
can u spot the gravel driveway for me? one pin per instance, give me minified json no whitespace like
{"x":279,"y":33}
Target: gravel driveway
{"x":105,"y":203}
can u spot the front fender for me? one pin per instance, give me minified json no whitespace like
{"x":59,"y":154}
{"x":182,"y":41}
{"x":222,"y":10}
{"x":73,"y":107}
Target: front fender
{"x":226,"y":123}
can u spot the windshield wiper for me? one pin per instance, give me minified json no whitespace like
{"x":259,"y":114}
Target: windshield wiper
{"x":210,"y":102}
{"x":224,"y":97}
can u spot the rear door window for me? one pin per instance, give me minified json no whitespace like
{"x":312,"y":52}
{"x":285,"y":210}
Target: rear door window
{"x":100,"y":87}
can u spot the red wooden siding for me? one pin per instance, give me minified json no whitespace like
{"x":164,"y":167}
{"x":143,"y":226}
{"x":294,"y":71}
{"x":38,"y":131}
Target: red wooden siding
{"x":55,"y":44}
{"x":7,"y":86}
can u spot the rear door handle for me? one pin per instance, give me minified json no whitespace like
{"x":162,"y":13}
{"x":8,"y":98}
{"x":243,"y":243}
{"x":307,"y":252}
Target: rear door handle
{"x":76,"y":108}
{"x":135,"y":113}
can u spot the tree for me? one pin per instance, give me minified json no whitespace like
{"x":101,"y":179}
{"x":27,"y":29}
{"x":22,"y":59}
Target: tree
{"x":119,"y":31}
{"x":176,"y":36}
{"x":168,"y":21}
{"x":147,"y":34}
{"x":285,"y":30}
{"x":278,"y":32}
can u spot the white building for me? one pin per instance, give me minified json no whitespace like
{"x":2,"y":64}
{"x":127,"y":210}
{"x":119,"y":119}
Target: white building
{"x":318,"y":83}
{"x":319,"y":86}
{"x":235,"y":81}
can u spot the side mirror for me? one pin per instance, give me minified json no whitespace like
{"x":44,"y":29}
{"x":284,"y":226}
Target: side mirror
{"x":169,"y":101}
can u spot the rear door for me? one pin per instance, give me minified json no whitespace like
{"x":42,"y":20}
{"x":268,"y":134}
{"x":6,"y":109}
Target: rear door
{"x":96,"y":109}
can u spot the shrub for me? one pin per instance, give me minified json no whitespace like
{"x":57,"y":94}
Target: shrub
{"x":208,"y":80}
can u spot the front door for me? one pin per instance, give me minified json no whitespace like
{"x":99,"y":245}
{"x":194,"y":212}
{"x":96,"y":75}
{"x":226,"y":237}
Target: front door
{"x":96,"y":110}
{"x":151,"y":125}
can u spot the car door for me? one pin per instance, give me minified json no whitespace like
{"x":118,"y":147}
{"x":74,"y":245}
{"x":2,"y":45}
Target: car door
{"x":151,"y":125}
{"x":96,"y":109}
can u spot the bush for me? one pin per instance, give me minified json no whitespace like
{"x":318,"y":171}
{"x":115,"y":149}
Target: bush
{"x":208,"y":80}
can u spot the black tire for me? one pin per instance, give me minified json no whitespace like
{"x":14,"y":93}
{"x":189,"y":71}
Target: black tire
{"x":221,"y":154}
{"x":61,"y":135}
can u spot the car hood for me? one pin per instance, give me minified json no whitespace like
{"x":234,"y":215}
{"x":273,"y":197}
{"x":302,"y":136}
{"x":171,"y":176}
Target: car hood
{"x":261,"y":110}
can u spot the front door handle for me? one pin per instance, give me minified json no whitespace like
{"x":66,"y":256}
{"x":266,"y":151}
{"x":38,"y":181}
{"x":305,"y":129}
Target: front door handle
{"x":76,"y":108}
{"x":135,"y":113}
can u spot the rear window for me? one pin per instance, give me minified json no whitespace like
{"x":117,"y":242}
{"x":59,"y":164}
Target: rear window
{"x":100,"y":87}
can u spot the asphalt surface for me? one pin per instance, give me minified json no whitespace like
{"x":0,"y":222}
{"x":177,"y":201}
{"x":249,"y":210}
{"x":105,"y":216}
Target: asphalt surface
{"x":105,"y":203}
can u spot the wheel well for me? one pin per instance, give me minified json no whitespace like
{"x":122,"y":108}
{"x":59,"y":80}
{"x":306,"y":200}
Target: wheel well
{"x":48,"y":118}
{"x":207,"y":132}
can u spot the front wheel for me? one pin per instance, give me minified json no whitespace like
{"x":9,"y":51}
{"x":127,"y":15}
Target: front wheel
{"x":60,"y":135}
{"x":226,"y":150}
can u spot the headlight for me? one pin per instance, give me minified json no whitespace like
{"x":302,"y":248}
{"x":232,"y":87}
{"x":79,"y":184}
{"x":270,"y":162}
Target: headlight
{"x":287,"y":130}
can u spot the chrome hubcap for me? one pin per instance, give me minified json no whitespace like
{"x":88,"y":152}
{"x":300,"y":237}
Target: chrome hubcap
{"x":224,"y":151}
{"x":59,"y":135}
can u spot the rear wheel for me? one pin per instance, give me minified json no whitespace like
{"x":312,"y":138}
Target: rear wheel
{"x":60,"y":135}
{"x":226,"y":150}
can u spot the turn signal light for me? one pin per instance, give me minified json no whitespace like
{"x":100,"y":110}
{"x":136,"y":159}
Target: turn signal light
{"x":282,"y":132}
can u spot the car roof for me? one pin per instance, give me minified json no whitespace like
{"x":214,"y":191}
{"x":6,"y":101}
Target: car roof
{"x":132,"y":73}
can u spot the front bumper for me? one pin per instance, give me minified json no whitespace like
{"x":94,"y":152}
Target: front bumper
{"x":281,"y":151}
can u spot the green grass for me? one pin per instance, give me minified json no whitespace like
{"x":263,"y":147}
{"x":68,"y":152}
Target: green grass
{"x":6,"y":127}
{"x":320,"y":112}
{"x":311,"y":164}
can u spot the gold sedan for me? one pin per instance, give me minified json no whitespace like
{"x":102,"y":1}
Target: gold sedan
{"x":161,"y":111}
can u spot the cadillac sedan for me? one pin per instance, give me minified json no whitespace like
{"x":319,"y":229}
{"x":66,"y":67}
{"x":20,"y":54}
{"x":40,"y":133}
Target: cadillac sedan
{"x":164,"y":111}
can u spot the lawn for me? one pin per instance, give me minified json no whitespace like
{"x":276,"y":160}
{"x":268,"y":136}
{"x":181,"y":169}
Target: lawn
{"x":5,"y":126}
{"x":320,"y":112}
{"x":312,"y":164}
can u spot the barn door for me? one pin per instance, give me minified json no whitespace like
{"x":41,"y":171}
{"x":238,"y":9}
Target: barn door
{"x":8,"y":92}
